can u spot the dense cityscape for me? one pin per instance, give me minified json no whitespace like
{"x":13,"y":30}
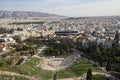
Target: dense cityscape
{"x":60,"y":40}
{"x":60,"y":48}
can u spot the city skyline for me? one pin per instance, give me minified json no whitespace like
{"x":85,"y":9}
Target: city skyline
{"x":72,"y":8}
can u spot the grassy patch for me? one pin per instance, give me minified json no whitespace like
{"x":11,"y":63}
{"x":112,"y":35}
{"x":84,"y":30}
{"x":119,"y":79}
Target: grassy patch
{"x":76,"y":70}
{"x":30,"y":68}
{"x":4,"y":77}
{"x":99,"y":77}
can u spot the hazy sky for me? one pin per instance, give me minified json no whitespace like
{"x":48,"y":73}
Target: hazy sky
{"x":64,"y":7}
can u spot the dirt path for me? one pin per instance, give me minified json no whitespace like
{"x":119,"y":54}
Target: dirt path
{"x":16,"y":74}
{"x":83,"y":77}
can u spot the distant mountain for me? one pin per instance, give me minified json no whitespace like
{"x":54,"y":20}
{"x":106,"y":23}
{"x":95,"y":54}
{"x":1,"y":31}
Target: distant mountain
{"x":24,"y":14}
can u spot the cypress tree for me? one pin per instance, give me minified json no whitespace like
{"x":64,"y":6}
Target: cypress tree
{"x":89,"y":75}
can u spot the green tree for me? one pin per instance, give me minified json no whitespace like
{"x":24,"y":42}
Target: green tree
{"x":89,"y":75}
{"x":32,"y":52}
{"x":108,"y":66}
{"x":3,"y":64}
{"x":55,"y":76}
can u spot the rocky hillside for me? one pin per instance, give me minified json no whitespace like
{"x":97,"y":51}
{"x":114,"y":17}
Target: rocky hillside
{"x":24,"y":14}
